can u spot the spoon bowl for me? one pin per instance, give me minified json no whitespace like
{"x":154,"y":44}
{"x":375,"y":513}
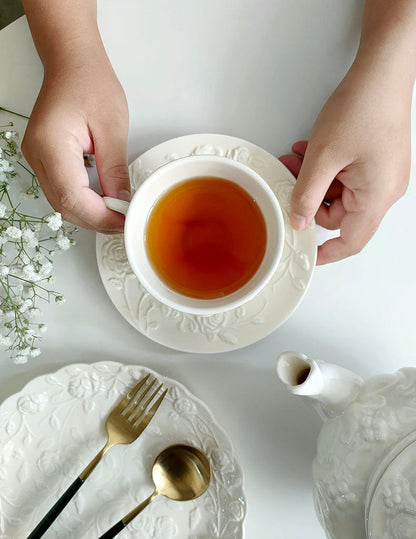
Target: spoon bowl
{"x":180,"y":472}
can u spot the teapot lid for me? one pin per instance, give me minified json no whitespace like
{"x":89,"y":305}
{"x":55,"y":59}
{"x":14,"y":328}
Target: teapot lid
{"x":390,"y":507}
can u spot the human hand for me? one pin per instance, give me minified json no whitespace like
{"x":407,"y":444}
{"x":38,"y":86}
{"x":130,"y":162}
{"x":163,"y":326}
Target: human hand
{"x":81,"y":108}
{"x":357,"y":161}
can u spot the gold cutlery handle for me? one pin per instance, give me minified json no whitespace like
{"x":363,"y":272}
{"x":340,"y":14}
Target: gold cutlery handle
{"x":121,"y":524}
{"x":88,"y":469}
{"x":133,"y":514}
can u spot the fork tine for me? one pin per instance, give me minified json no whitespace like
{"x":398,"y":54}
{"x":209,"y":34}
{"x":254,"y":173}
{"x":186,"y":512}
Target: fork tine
{"x":141,"y":406}
{"x":136,"y":399}
{"x":145,"y":420}
{"x":126,"y":399}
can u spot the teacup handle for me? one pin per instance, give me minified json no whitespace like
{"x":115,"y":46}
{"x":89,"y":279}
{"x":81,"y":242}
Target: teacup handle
{"x":116,"y":204}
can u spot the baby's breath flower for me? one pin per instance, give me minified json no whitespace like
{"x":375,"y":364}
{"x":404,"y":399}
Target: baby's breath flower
{"x":63,"y":243}
{"x":54,"y":221}
{"x":29,"y":237}
{"x":46,"y":268}
{"x":11,"y":135}
{"x":5,"y":340}
{"x":27,"y":245}
{"x":38,"y":257}
{"x":16,"y":271}
{"x":6,"y":166}
{"x":20,"y":359}
{"x":25,"y":306}
{"x":29,"y":271}
{"x":13,"y":232}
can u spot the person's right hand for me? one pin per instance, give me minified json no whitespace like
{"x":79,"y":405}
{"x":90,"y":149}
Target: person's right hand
{"x":81,"y":108}
{"x":356,"y":163}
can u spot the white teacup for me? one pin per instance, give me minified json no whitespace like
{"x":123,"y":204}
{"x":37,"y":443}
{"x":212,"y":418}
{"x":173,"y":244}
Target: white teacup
{"x":162,"y":180}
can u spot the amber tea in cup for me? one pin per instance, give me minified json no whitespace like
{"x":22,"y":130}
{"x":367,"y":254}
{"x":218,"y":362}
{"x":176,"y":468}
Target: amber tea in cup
{"x":206,"y":237}
{"x":203,"y":234}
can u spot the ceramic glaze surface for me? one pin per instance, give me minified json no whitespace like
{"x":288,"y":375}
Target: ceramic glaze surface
{"x":352,"y":445}
{"x":55,"y":425}
{"x":240,"y":326}
{"x":392,"y":510}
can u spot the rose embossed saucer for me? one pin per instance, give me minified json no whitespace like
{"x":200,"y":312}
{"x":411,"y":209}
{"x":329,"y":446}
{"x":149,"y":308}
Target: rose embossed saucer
{"x":235,"y":328}
{"x":52,"y":428}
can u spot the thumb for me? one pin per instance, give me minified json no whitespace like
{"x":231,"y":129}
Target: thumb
{"x":317,"y":172}
{"x":111,"y":160}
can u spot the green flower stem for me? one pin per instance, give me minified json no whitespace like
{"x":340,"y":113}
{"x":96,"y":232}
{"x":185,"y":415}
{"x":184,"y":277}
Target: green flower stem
{"x":10,"y":154}
{"x":15,"y":113}
{"x":23,"y":166}
{"x":22,"y":218}
{"x":17,"y":286}
{"x":5,"y":192}
{"x":33,"y":284}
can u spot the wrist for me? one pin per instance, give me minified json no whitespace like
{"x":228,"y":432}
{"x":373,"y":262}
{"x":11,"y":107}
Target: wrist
{"x":388,"y":42}
{"x":75,"y":53}
{"x":65,"y":32}
{"x":389,"y":69}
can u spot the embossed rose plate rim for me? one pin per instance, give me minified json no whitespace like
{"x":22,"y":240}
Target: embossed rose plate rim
{"x":221,"y":435}
{"x":264,"y":322}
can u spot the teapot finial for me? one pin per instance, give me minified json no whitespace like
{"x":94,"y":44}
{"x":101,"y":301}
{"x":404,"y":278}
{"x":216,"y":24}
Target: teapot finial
{"x":331,"y":387}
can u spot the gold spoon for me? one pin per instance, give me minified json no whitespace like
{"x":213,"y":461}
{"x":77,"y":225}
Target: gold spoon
{"x":180,"y":472}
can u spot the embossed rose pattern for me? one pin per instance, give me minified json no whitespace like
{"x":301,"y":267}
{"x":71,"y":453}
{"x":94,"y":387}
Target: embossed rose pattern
{"x":53,"y":428}
{"x":235,"y":328}
{"x":393,"y":506}
{"x":32,"y":404}
{"x":351,"y":445}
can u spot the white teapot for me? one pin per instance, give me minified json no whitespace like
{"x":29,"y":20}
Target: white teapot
{"x":365,"y":468}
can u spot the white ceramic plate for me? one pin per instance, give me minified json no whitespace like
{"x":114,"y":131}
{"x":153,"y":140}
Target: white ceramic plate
{"x":55,"y":426}
{"x":238,"y":327}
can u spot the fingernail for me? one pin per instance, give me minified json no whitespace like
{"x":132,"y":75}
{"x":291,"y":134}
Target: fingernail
{"x":299,"y":222}
{"x":124,"y":195}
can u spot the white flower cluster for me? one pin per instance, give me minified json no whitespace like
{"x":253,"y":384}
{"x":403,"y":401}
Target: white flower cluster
{"x":27,"y":245}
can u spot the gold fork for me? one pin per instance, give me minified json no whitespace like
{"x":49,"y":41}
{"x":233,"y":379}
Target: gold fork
{"x":124,"y":425}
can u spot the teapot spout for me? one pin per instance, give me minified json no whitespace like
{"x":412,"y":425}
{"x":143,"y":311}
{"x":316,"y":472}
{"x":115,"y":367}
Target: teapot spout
{"x":331,"y":388}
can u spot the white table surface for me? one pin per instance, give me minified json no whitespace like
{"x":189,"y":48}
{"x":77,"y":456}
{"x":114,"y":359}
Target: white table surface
{"x":259,"y":71}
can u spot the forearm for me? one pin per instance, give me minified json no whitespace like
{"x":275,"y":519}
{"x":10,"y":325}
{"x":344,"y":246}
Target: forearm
{"x":388,"y":38}
{"x":64,"y":31}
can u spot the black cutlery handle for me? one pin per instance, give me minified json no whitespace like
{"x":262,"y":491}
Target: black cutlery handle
{"x":112,"y":532}
{"x":63,"y":501}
